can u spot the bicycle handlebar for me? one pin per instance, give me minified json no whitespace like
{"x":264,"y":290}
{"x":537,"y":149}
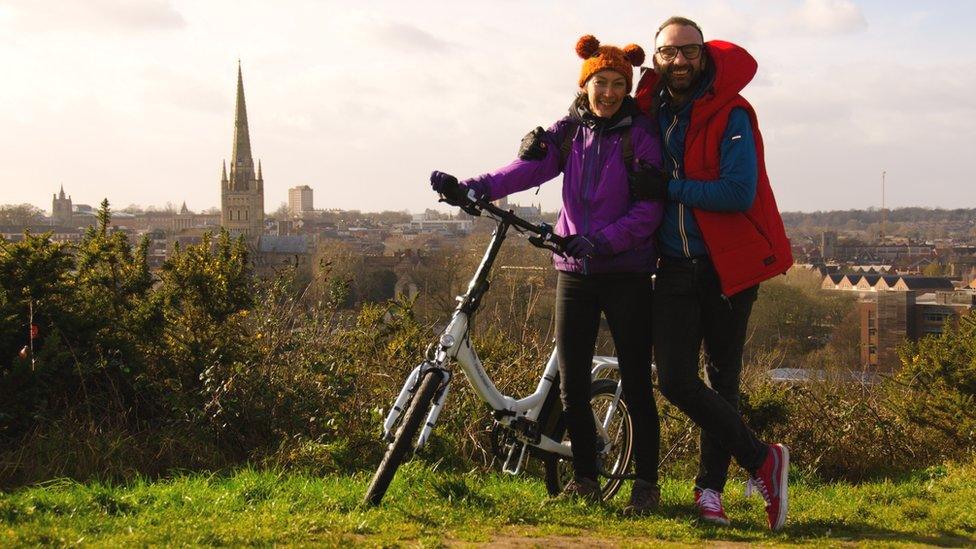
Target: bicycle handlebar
{"x":544,"y":237}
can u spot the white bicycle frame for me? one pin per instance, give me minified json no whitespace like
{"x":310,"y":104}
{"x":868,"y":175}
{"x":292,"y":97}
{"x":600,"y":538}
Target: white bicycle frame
{"x":455,"y":344}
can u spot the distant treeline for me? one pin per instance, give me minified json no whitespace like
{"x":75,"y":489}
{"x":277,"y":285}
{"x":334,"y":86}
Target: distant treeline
{"x":839,"y":218}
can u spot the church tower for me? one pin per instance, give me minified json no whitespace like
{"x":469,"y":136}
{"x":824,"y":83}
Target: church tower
{"x":61,"y":209}
{"x":242,"y":191}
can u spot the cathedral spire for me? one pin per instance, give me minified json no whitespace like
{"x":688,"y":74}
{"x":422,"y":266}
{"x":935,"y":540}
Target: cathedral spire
{"x":242,"y":165}
{"x":260,"y":177}
{"x":241,"y":193}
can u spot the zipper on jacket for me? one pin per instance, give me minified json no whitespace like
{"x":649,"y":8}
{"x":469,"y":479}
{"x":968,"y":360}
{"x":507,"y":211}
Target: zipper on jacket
{"x":586,"y":171}
{"x":681,"y":230}
{"x":675,"y":175}
{"x":594,"y":172}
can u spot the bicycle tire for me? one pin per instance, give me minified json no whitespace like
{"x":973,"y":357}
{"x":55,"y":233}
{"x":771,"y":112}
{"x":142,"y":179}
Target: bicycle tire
{"x":403,"y":440}
{"x":556,"y":467}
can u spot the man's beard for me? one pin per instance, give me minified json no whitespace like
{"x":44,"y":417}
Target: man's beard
{"x":680,"y":86}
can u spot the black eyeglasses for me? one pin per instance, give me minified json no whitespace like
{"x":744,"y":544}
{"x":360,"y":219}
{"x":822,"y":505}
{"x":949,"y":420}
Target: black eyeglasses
{"x":690,"y":51}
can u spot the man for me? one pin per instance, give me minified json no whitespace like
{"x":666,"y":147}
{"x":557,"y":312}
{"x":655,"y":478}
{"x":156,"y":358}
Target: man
{"x":720,"y":237}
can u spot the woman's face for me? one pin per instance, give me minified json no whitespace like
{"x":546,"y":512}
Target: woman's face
{"x":606,"y":91}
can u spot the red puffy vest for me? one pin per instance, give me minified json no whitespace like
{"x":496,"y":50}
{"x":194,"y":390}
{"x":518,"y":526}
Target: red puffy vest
{"x":745,"y":247}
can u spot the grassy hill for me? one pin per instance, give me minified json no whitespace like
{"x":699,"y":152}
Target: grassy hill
{"x":429,"y":508}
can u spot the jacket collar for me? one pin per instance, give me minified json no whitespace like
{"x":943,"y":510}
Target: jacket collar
{"x":705,"y":85}
{"x":579,"y":112}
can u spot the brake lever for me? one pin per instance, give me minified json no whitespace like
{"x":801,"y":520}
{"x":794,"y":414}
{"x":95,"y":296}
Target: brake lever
{"x":555,"y":249}
{"x":541,"y":242}
{"x":471,"y":209}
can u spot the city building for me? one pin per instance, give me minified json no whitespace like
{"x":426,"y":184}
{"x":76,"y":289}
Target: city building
{"x":828,"y":244}
{"x":431,"y":221}
{"x":867,"y":283}
{"x":299,"y":200}
{"x":242,"y":191}
{"x":183,"y":220}
{"x":887,"y":319}
{"x":278,"y":252}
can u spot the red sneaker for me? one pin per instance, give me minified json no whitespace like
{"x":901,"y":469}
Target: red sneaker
{"x":710,"y":508}
{"x":772,"y":480}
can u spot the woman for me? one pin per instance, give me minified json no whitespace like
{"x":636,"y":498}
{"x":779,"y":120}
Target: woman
{"x":609,"y":254}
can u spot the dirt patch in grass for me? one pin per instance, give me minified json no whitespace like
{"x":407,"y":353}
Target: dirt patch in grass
{"x":549,"y":542}
{"x":563,"y":542}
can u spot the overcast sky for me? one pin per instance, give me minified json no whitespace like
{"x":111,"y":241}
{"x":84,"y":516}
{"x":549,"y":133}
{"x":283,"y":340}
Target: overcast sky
{"x":133,"y":100}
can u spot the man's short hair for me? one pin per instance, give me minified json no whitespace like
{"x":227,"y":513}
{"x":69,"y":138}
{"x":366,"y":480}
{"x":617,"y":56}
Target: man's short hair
{"x":678,"y":20}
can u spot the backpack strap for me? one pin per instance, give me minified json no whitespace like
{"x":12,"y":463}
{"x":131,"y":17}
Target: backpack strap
{"x":627,"y":149}
{"x":567,"y":145}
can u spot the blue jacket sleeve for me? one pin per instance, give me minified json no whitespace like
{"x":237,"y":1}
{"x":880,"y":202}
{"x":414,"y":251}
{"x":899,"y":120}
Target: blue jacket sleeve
{"x":735,"y":188}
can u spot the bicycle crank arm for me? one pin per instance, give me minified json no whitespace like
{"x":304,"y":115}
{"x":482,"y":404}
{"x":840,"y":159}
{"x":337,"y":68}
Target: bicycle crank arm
{"x":549,"y":445}
{"x":603,"y":472}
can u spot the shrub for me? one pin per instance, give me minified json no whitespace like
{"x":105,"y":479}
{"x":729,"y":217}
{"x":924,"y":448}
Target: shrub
{"x":203,"y":366}
{"x":939,"y":373}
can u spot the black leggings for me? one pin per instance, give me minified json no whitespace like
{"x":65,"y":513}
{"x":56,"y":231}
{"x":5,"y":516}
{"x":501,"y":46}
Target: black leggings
{"x":625,"y":300}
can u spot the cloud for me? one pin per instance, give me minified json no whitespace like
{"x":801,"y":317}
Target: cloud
{"x":830,"y":16}
{"x":401,"y":35}
{"x":96,"y":15}
{"x":147,"y":14}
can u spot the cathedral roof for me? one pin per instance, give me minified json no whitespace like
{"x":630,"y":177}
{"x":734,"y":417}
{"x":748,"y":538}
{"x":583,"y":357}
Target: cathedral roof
{"x":283,"y":244}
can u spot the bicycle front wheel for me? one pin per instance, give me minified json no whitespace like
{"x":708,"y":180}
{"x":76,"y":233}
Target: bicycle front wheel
{"x":403,"y":440}
{"x":618,"y":440}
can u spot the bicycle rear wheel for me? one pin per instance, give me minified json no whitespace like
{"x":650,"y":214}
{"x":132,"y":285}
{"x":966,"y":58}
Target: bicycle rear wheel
{"x":619,"y":446}
{"x":403,"y":440}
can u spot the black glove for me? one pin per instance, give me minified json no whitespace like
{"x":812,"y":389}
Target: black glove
{"x":648,"y":183}
{"x":579,"y":246}
{"x":447,"y":186}
{"x":533,"y":145}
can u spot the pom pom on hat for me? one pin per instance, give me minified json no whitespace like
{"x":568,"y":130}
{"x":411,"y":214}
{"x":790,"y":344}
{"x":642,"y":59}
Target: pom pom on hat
{"x":598,"y":58}
{"x":587,"y":46}
{"x":634,"y":54}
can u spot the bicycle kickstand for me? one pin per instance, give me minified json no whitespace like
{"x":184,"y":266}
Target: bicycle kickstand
{"x":515,"y":468}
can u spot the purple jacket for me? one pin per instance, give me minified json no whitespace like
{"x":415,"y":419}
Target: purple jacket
{"x":596,"y":198}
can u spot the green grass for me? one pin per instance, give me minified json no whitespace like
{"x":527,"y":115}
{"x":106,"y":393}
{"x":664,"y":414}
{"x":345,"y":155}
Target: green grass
{"x":430,"y":508}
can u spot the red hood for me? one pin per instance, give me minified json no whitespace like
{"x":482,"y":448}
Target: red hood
{"x":734,"y":68}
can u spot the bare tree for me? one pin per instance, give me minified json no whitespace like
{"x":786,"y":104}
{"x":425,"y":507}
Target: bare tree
{"x":20,"y":215}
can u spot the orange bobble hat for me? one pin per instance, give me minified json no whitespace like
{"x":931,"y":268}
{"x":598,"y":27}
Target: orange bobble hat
{"x":597,"y":58}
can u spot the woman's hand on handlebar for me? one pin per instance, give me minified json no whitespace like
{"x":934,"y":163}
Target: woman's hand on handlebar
{"x":474,"y":201}
{"x":447,"y":186}
{"x":584,"y":245}
{"x":442,"y":182}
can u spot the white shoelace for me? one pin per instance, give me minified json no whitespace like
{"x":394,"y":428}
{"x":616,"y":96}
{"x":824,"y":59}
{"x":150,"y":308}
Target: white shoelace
{"x":710,"y":500}
{"x":757,"y":485}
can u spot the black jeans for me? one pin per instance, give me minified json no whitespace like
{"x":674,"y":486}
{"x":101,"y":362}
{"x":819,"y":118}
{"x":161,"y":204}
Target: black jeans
{"x":689,"y":308}
{"x":625,"y":300}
